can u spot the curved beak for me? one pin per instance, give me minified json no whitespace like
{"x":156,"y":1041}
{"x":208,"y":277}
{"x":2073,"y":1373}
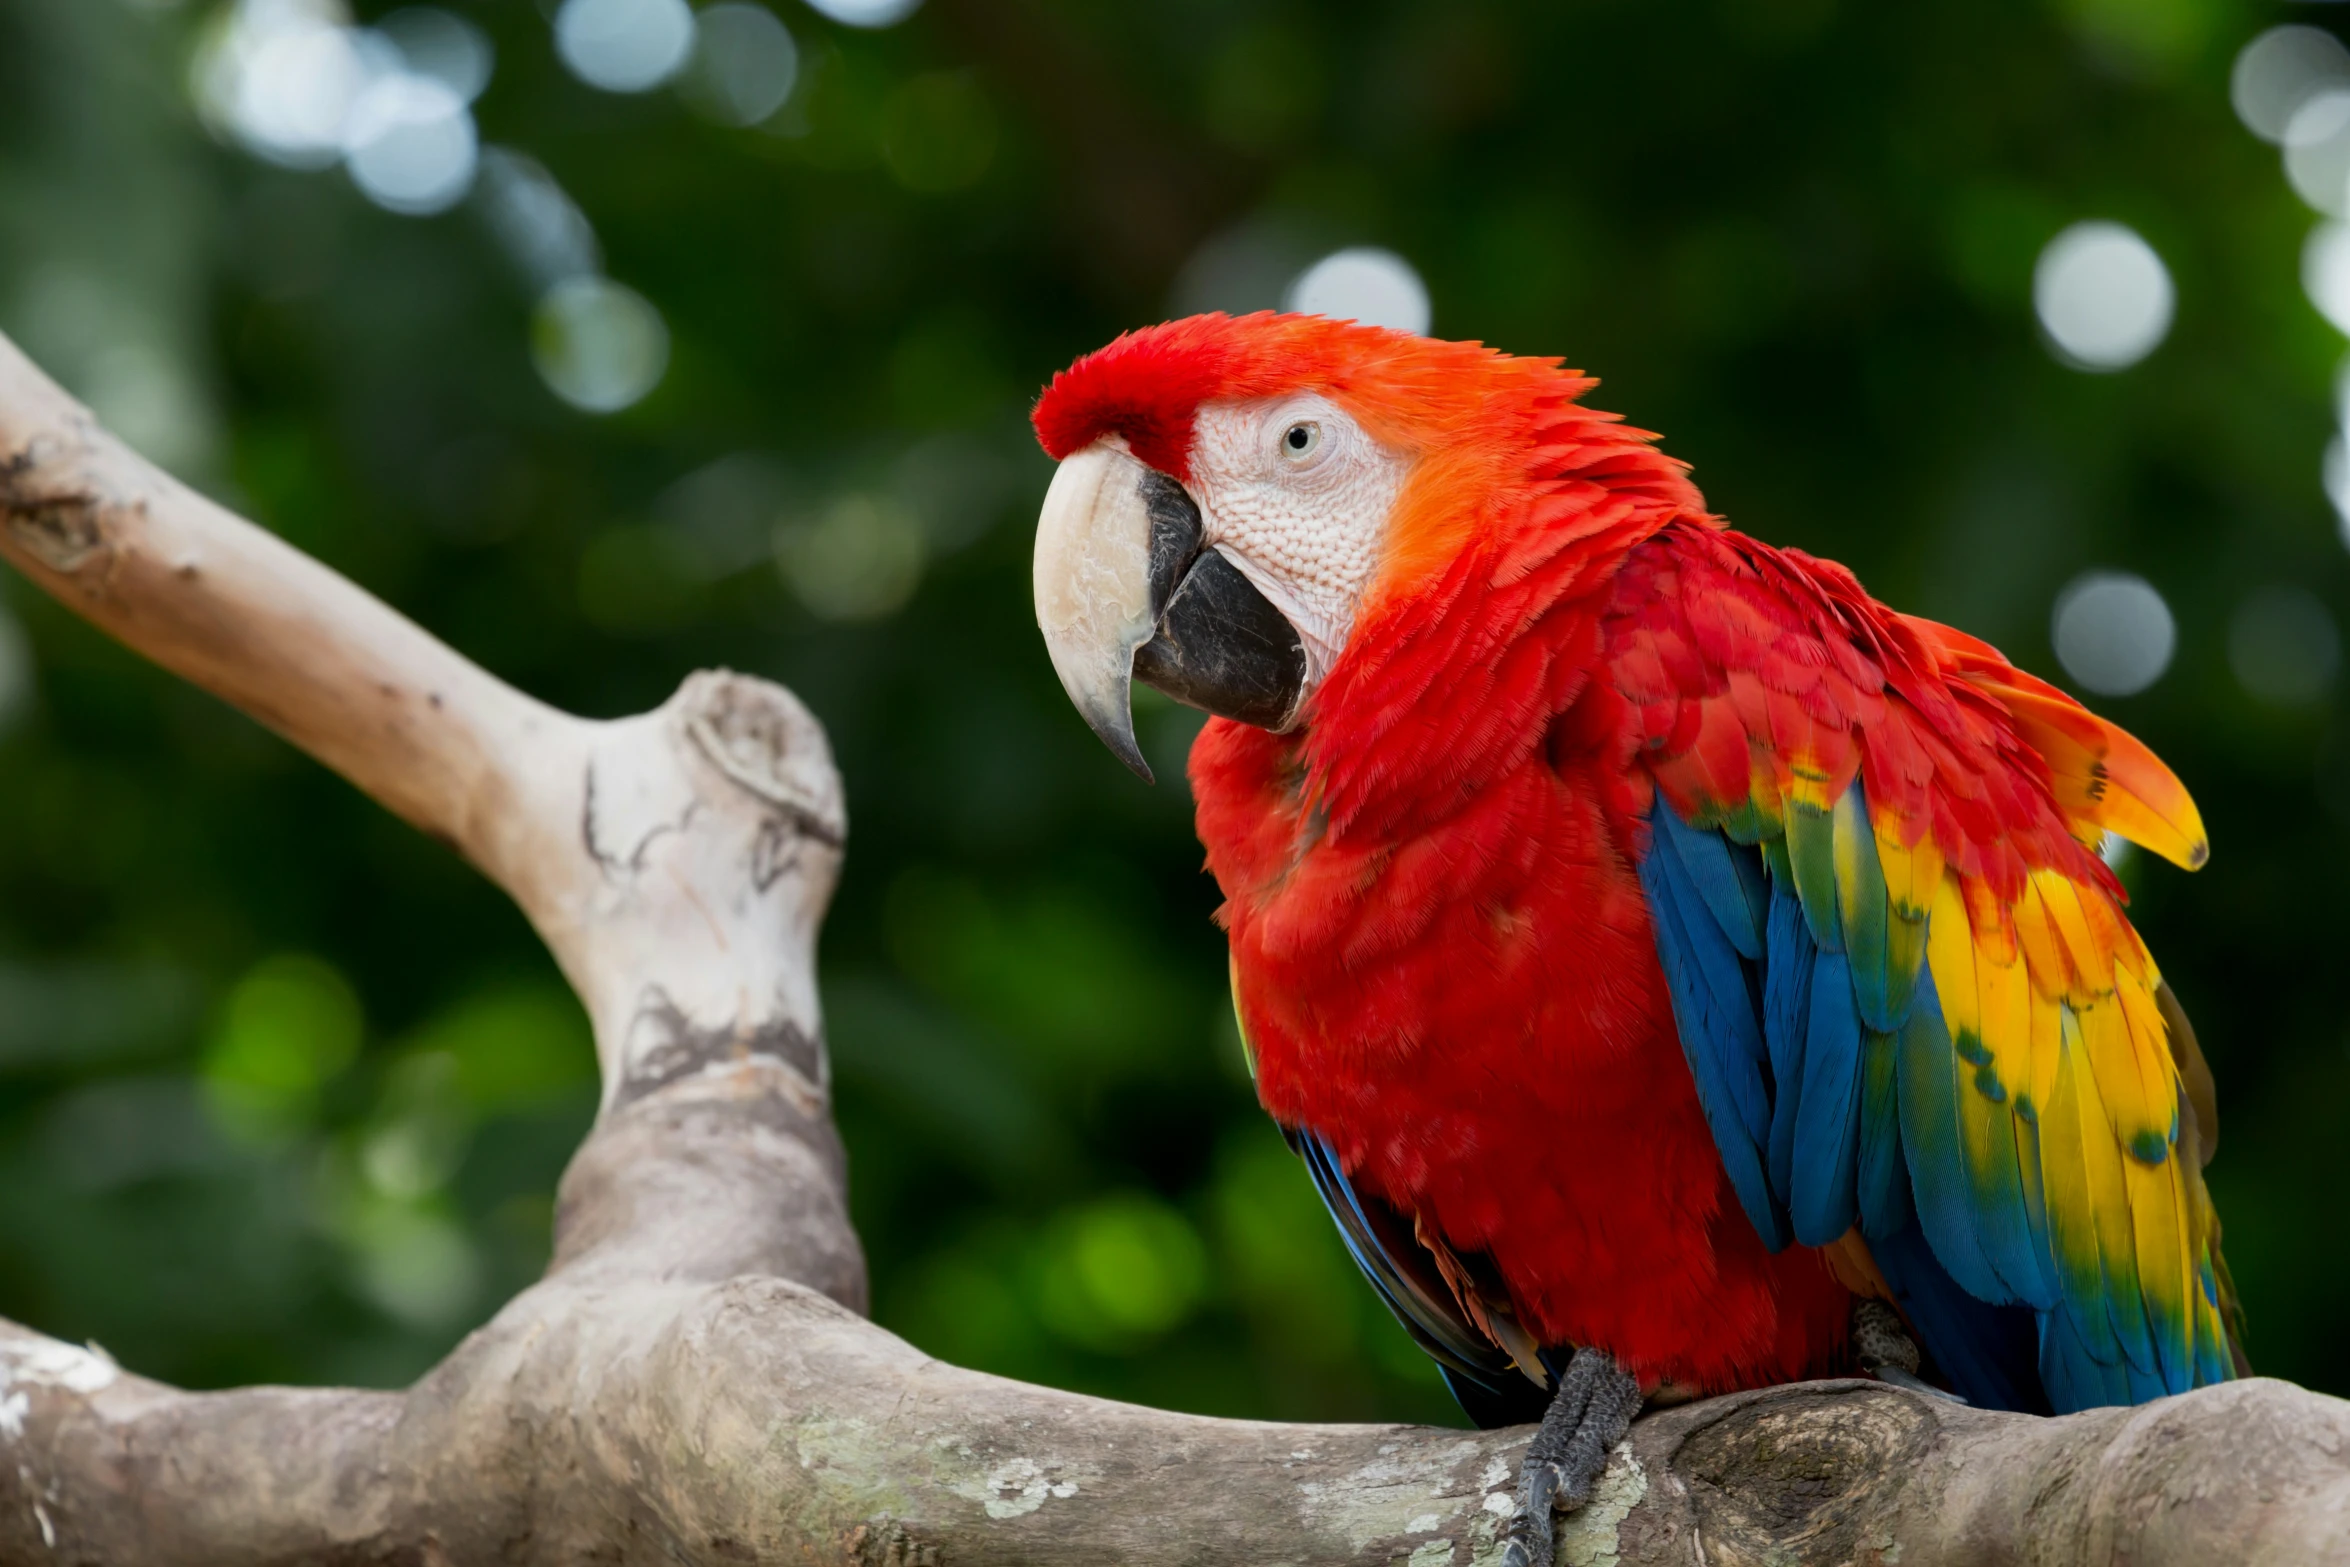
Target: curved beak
{"x":1123,"y":588}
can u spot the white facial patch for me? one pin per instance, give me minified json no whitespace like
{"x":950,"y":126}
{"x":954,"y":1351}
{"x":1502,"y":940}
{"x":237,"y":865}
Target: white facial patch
{"x":1297,"y":496}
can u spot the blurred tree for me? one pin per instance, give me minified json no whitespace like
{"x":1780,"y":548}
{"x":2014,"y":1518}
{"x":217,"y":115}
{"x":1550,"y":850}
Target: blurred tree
{"x":284,"y":1089}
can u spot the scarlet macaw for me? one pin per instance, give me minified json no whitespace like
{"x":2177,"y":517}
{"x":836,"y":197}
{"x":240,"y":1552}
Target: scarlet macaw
{"x":1655,"y":946}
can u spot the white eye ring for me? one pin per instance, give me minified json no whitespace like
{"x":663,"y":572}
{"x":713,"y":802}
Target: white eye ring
{"x":1301,"y":440}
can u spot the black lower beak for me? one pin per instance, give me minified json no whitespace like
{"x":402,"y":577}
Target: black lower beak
{"x":1219,"y":644}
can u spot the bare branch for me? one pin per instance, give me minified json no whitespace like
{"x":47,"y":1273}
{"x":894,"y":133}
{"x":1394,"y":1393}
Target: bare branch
{"x":691,"y":1382}
{"x":253,"y":620}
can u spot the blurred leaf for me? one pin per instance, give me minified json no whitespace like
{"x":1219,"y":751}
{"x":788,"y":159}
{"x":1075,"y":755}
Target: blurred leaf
{"x":2150,"y":36}
{"x":1119,"y":1272}
{"x":1265,"y":85}
{"x":938,"y":132}
{"x":1053,"y":967}
{"x":964,"y":1095}
{"x":637,"y":580}
{"x":85,"y":1015}
{"x":1283,"y":1254}
{"x":513,"y":1046}
{"x":1993,"y":233}
{"x":417,"y":1264}
{"x":860,"y":559}
{"x":287,"y":1028}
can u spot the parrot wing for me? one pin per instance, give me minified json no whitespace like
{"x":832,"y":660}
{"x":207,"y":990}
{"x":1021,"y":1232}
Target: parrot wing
{"x":1450,"y":1304}
{"x":1434,"y":1292}
{"x":1903,"y":979}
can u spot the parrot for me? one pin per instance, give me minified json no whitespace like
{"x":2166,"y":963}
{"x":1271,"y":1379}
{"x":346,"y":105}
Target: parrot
{"x":1678,"y":971}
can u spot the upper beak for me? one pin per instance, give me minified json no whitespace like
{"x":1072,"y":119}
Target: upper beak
{"x":1123,"y":587}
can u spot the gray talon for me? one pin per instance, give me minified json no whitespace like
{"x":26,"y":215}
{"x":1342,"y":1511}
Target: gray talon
{"x":1894,"y":1376}
{"x":1882,"y":1345}
{"x":1880,"y":1341}
{"x":1588,"y":1416}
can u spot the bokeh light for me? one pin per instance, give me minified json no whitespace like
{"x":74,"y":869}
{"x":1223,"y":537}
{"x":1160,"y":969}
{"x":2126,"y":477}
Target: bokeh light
{"x":1244,"y":268}
{"x":866,"y":13}
{"x":16,"y":672}
{"x":722,"y":515}
{"x":2103,"y":296}
{"x":410,"y":145}
{"x":744,"y":64}
{"x":281,"y":77}
{"x":294,"y":83}
{"x":2279,"y":71}
{"x":416,"y":1264}
{"x":624,"y":46}
{"x":861,"y":559}
{"x":1376,"y":287}
{"x":2317,"y":151}
{"x":2283,"y":645}
{"x":418,"y":1136}
{"x":2113,"y":633}
{"x":149,"y":398}
{"x":443,"y":46}
{"x":2334,"y":472}
{"x":599,"y":345}
{"x":289,"y":1027}
{"x":1119,"y":1271}
{"x":2291,"y":85}
{"x":2325,"y":272}
{"x":540,"y":226}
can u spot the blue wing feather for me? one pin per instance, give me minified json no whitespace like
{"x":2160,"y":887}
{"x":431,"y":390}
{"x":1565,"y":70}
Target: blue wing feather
{"x":1728,"y":879}
{"x":1885,"y":1202}
{"x":1823,"y":1122}
{"x":1714,"y":1010}
{"x":1989,"y":1355}
{"x":1409,"y":1286}
{"x":1930,"y":1133}
{"x":1787,"y":978}
{"x":1823,"y":1194}
{"x":1491,"y":1390}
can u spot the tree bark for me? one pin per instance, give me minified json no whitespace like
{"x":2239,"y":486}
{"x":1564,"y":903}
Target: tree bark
{"x":693,"y":1382}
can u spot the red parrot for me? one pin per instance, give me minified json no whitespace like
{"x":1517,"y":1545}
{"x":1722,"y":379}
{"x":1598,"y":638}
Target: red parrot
{"x":1679,"y":971}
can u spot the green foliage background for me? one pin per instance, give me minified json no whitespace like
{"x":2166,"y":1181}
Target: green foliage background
{"x":285,"y":1089}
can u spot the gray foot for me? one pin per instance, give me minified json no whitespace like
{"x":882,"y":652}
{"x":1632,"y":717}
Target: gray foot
{"x":1595,"y":1402}
{"x":1885,"y":1350}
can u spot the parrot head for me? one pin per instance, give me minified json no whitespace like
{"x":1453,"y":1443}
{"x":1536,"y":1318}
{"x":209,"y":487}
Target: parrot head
{"x":1238,"y":497}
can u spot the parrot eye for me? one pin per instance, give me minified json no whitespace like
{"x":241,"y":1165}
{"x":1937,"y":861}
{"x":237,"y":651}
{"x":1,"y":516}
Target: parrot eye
{"x":1301,"y":439}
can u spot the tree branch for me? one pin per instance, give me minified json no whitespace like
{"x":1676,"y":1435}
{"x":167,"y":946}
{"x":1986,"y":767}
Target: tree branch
{"x":692,"y":1381}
